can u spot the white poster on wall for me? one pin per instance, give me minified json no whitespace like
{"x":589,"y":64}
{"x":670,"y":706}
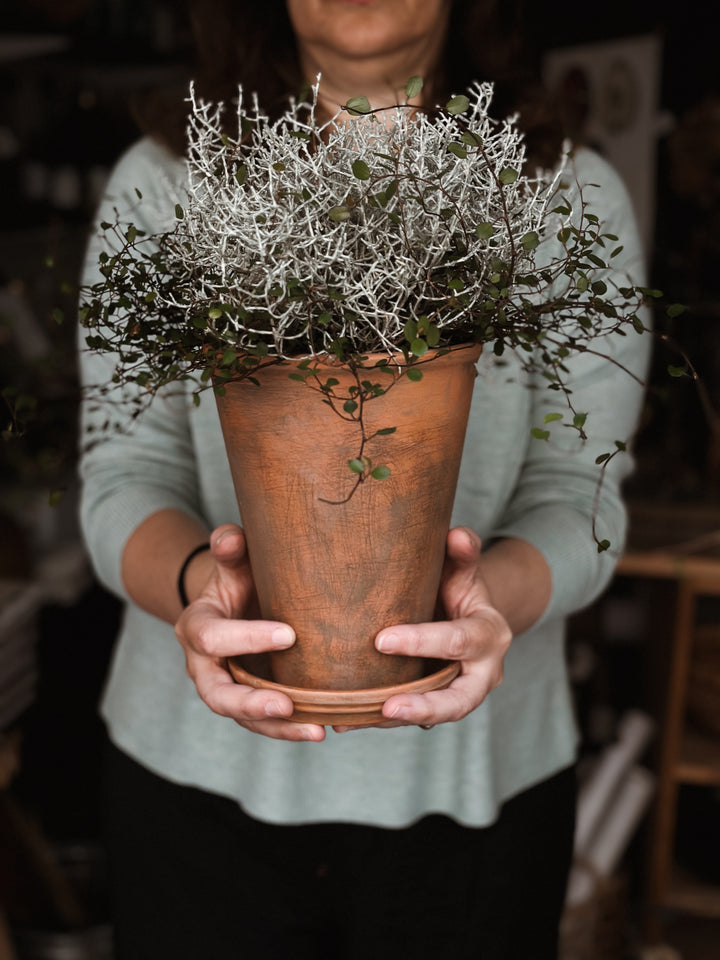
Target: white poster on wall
{"x":609,"y":93}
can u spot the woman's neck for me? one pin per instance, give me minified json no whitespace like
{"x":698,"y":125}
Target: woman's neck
{"x":381,"y":79}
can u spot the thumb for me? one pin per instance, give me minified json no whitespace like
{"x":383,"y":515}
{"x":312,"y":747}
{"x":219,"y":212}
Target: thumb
{"x":228,"y":546}
{"x":463,"y":547}
{"x":462,"y":585}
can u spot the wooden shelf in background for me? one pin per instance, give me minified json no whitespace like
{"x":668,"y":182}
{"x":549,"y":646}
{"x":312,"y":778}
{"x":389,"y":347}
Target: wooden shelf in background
{"x":691,"y":895}
{"x":699,"y":759}
{"x":680,"y":546}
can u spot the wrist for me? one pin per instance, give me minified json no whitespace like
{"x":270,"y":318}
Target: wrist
{"x":194,"y":573}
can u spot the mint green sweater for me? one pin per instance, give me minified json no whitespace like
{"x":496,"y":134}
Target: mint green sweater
{"x":510,"y":485}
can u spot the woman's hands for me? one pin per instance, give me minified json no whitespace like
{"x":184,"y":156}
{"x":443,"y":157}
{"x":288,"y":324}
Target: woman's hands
{"x":222,"y":622}
{"x":473,"y":632}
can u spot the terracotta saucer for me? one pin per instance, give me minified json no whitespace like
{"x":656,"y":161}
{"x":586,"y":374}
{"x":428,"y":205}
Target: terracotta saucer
{"x":348,"y":708}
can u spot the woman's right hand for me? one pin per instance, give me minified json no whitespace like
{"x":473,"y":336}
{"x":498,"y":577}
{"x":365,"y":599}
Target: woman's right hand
{"x":220,"y":622}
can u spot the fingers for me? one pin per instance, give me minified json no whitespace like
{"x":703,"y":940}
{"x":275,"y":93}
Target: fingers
{"x":203,"y":631}
{"x":260,"y":711}
{"x":463,"y":695}
{"x":479,"y":642}
{"x":467,"y":639}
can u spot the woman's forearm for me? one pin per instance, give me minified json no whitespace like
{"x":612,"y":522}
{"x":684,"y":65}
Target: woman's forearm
{"x":518,"y":581}
{"x":153,"y":557}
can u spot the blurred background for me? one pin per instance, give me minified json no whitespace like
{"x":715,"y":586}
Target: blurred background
{"x":638,"y":81}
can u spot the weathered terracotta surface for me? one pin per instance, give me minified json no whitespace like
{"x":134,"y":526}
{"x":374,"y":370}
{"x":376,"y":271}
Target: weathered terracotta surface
{"x":338,"y":573}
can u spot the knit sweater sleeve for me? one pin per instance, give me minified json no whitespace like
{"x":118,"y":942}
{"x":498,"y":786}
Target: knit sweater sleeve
{"x":133,"y":467}
{"x":563,"y":496}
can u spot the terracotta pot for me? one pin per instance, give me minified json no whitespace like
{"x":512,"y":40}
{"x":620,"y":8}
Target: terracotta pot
{"x":339,"y":572}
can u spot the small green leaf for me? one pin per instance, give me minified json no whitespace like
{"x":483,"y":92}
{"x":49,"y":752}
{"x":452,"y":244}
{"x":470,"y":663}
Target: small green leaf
{"x":603,"y":545}
{"x":550,"y":417}
{"x":390,"y":190}
{"x":676,"y":371}
{"x":179,"y":212}
{"x":579,"y":420}
{"x":385,"y":432}
{"x":458,"y":150}
{"x":357,"y":466}
{"x":433,"y":336}
{"x":339,"y":214}
{"x":418,"y":347}
{"x":410,"y":330}
{"x":350,"y":406}
{"x":361,"y":170}
{"x":241,"y":174}
{"x":357,"y":106}
{"x":414,"y":374}
{"x":540,"y":434}
{"x":380,"y":473}
{"x":507,"y":176}
{"x":676,"y":310}
{"x":530,"y":241}
{"x":602,"y":458}
{"x":484,"y":231}
{"x":413,"y":87}
{"x":472,"y":139}
{"x":58,"y":316}
{"x":457,"y":104}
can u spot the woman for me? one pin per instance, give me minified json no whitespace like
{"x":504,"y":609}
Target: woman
{"x":448,"y":833}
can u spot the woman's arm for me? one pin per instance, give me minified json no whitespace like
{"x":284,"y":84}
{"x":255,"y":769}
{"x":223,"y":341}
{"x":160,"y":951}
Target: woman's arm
{"x":153,"y":557}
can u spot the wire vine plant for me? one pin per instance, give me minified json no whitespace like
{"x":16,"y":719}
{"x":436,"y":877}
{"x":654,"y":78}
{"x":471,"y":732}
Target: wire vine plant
{"x":379,"y":239}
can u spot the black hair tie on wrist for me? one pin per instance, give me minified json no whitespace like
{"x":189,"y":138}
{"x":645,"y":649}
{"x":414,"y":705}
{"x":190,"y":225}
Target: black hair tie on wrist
{"x":183,"y":569}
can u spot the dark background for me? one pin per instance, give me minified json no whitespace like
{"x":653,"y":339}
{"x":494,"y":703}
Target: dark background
{"x":69,"y":70}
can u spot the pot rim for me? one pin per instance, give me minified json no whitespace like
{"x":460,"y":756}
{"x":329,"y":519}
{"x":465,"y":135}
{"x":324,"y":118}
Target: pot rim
{"x":441,"y":673}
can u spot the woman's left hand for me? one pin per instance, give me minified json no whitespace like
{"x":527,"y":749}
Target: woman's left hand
{"x":475,"y":633}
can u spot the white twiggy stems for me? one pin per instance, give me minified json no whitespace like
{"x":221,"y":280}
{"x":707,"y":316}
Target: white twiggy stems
{"x":300,"y":232}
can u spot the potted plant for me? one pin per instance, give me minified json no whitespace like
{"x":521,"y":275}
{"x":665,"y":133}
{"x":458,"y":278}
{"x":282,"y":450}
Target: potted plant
{"x":362,"y":266}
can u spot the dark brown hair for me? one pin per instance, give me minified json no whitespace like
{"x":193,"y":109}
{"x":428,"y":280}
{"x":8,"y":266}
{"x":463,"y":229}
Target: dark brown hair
{"x":252,"y":43}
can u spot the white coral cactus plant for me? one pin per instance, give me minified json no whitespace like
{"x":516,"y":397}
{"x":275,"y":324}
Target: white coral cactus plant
{"x":399,"y":232}
{"x":303,"y":234}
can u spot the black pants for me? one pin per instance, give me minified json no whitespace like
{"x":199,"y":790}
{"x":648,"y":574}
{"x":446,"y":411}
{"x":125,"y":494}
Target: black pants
{"x":197,"y":879}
